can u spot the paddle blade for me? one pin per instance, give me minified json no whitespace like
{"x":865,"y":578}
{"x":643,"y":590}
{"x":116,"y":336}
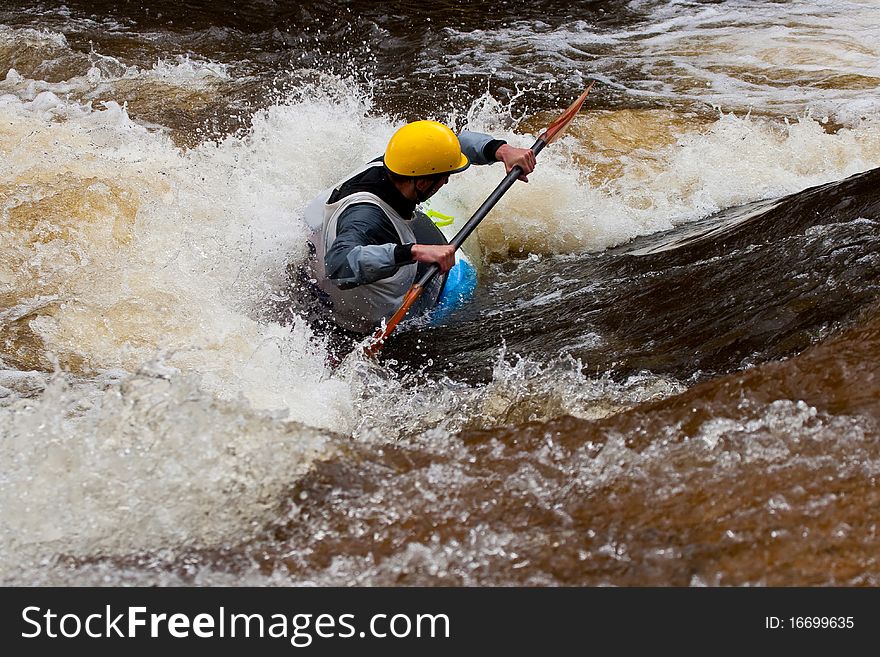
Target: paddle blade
{"x":382,"y":333}
{"x":555,"y":130}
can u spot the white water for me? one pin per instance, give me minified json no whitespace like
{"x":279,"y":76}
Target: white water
{"x":781,"y":58}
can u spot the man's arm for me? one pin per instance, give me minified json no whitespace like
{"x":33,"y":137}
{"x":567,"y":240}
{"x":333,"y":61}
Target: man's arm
{"x":366,"y":248}
{"x":479,"y":148}
{"x":483,"y":149}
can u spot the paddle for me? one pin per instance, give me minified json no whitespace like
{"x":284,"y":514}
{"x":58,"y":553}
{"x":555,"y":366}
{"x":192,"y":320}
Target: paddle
{"x":551,"y":134}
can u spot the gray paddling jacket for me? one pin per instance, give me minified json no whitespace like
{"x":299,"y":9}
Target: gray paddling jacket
{"x":366,"y":280}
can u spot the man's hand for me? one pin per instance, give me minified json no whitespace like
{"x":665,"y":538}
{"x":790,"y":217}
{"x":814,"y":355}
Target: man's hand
{"x":524,"y":157}
{"x":442,"y":254}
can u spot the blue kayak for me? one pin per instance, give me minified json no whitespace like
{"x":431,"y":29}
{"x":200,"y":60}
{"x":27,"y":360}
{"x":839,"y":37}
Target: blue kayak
{"x":461,"y":283}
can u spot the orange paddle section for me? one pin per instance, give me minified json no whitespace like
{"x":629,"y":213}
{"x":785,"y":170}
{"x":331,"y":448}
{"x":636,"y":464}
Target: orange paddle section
{"x":383,"y":332}
{"x":557,"y":128}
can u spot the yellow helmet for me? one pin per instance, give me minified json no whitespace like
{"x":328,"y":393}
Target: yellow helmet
{"x":424,"y":148}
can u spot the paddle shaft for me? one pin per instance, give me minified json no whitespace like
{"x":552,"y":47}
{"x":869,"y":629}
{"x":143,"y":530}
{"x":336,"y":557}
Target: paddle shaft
{"x":480,"y":214}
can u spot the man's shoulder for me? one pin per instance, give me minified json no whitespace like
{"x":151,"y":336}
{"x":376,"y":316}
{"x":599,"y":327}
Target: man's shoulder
{"x":366,"y":217}
{"x":369,"y":180}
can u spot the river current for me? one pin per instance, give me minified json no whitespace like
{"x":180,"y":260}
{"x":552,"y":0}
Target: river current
{"x":668,"y":375}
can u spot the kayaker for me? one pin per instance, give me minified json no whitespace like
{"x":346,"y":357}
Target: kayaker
{"x":364,"y":244}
